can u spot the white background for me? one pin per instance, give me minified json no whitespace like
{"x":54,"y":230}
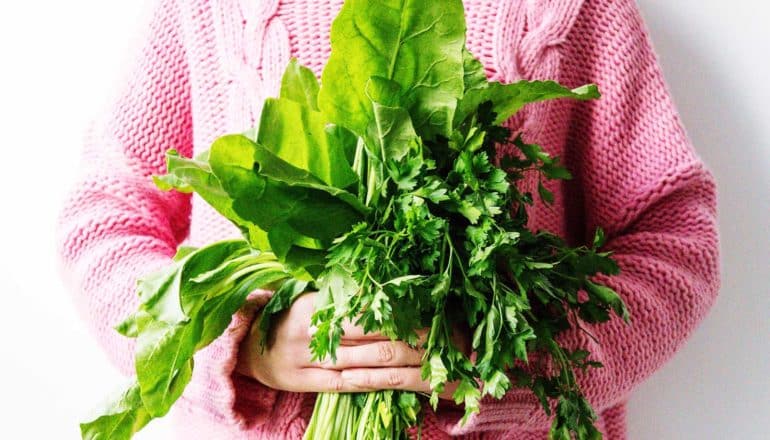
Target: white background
{"x":60,"y":62}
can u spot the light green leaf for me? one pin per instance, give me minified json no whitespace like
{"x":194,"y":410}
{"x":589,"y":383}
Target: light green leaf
{"x":300,"y":85}
{"x":473,"y":73}
{"x":417,"y":44}
{"x":164,"y":362}
{"x":497,"y":385}
{"x":467,"y":393}
{"x":438,"y":372}
{"x":120,"y":418}
{"x":297,"y":135}
{"x":391,"y":133}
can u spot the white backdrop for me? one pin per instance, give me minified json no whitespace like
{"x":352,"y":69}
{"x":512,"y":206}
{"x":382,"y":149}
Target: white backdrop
{"x":62,"y":59}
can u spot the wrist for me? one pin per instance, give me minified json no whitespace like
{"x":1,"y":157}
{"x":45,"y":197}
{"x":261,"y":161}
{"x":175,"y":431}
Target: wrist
{"x":247,"y":350}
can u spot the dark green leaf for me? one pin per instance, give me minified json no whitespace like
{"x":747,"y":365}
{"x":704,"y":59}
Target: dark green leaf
{"x":508,"y":99}
{"x":608,"y":296}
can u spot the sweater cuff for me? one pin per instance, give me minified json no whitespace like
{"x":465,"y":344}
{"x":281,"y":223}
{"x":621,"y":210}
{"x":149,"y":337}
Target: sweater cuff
{"x":230,"y":397}
{"x":518,"y":408}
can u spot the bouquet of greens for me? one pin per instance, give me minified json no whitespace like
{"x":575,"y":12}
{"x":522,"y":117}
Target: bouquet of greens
{"x":379,"y":190}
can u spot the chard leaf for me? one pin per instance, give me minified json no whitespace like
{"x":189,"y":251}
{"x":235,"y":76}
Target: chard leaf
{"x":297,"y":135}
{"x":417,"y":44}
{"x":256,"y":179}
{"x":474,"y":77}
{"x":299,"y":84}
{"x":391,"y":133}
{"x":121,"y":417}
{"x":164,"y":362}
{"x":196,"y":175}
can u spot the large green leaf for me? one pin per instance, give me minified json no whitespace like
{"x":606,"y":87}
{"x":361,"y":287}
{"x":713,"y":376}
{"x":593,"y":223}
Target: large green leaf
{"x":189,"y":175}
{"x":276,"y":196}
{"x":417,"y":44}
{"x":164,"y":362}
{"x":120,"y":419}
{"x":300,"y":85}
{"x":210,"y":284}
{"x":217,"y":313}
{"x":390,"y":134}
{"x":508,"y":99}
{"x":473,"y":73}
{"x":297,"y":134}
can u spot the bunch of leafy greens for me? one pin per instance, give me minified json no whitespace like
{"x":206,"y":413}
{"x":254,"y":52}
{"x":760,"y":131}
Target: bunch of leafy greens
{"x":380,"y":191}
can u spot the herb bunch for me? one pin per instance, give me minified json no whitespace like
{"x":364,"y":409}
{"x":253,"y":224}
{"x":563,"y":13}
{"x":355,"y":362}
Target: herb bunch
{"x":383,"y":191}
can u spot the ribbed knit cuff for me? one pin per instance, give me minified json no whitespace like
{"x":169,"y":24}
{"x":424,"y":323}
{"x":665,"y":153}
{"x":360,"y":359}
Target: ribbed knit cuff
{"x":518,"y":408}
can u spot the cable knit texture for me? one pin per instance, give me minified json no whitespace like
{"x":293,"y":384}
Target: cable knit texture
{"x":203,"y":71}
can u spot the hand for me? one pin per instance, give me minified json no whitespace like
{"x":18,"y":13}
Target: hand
{"x":365,"y":362}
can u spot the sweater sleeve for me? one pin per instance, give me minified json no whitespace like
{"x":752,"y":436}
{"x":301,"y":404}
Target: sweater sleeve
{"x":643,"y":183}
{"x":117,"y":226}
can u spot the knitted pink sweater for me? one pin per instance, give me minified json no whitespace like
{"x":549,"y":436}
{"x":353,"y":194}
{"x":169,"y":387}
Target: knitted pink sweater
{"x":204,"y":70}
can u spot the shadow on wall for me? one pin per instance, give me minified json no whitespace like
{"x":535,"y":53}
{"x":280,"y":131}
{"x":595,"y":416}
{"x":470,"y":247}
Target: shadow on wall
{"x":716,"y":387}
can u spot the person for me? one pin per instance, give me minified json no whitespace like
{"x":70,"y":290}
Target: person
{"x":203,"y":71}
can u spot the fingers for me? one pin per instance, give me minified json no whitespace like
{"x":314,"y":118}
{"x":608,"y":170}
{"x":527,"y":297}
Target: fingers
{"x":354,"y":333}
{"x":372,"y":379}
{"x":375,"y":354}
{"x":319,"y":380}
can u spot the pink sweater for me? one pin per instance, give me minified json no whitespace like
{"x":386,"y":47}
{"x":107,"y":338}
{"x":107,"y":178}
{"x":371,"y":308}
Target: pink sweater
{"x":206,"y":66}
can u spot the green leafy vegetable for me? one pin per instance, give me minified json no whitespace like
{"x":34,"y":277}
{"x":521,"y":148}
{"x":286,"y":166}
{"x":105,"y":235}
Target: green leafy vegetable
{"x":383,"y":191}
{"x":121,"y":417}
{"x":416,"y":44}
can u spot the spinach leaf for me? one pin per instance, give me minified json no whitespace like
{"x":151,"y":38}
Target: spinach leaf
{"x":120,"y":418}
{"x":299,"y":84}
{"x":187,"y":175}
{"x":187,"y":306}
{"x":297,"y":134}
{"x":278,"y":197}
{"x":417,"y":44}
{"x":281,"y":300}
